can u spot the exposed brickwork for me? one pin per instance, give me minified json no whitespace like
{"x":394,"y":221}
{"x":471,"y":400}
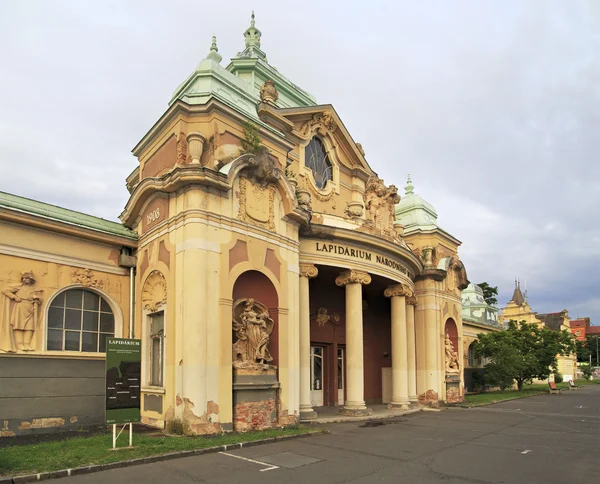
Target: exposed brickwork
{"x":254,"y":415}
{"x":429,"y":398}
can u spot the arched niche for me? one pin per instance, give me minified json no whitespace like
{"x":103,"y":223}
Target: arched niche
{"x":254,"y":284}
{"x":451,"y":330}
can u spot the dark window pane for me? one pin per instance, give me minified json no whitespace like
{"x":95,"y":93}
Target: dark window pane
{"x":91,"y":301}
{"x":103,"y":338}
{"x":316,"y":159}
{"x":55,"y":338}
{"x":72,"y":340}
{"x":72,"y":319}
{"x":58,"y":301}
{"x":104,"y":306}
{"x":107,"y":323}
{"x":74,"y":298}
{"x":55,"y":317}
{"x":89,"y":342}
{"x":90,"y":321}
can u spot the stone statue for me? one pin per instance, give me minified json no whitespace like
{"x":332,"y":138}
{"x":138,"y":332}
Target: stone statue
{"x":252,"y":326}
{"x":451,"y":356}
{"x":20,"y":315}
{"x":380,"y":202}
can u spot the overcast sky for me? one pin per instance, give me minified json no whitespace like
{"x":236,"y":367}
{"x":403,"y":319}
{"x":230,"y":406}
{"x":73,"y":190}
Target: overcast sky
{"x":493,"y":107}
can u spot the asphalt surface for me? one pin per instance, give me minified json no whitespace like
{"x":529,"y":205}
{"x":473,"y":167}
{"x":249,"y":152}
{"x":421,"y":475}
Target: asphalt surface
{"x":542,"y":439}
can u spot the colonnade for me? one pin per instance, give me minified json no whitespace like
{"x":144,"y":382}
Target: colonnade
{"x":403,"y":301}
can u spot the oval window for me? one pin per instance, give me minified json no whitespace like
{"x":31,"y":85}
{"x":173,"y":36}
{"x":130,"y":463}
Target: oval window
{"x":316,"y":159}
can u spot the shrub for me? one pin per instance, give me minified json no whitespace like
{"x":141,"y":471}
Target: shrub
{"x":558,"y":378}
{"x":587,"y":371}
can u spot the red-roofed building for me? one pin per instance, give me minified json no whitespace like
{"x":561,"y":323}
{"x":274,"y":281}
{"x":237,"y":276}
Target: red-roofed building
{"x":580,"y":327}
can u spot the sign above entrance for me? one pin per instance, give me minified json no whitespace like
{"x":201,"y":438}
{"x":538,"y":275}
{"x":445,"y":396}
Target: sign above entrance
{"x":348,"y":251}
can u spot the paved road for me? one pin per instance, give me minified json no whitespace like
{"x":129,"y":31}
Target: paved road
{"x":543,"y":439}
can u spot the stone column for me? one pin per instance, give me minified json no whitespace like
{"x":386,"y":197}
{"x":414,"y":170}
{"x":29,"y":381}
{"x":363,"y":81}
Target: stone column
{"x":411,"y":302}
{"x":355,"y":373}
{"x":307,"y":271}
{"x":431,"y":357}
{"x":397,"y":293}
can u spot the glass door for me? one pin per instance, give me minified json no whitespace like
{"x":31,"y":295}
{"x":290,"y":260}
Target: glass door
{"x":316,"y":376}
{"x":340,"y":375}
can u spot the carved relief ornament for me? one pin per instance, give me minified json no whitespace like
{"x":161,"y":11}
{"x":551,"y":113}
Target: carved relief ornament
{"x":257,"y":204}
{"x":182,"y":148}
{"x":353,"y":277}
{"x":323,"y":317}
{"x":86,"y":278}
{"x":309,"y":271}
{"x":20,"y":317}
{"x":411,"y":300}
{"x":154,"y":292}
{"x":451,"y":356}
{"x":398,"y":290}
{"x":319,"y":120}
{"x":268,"y":92}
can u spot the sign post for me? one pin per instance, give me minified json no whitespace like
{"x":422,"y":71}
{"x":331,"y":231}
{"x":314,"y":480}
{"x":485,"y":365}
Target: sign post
{"x":123,"y":376}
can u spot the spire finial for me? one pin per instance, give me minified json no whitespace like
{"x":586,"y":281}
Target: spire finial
{"x":214,"y":51}
{"x":252,"y":34}
{"x":409,"y":188}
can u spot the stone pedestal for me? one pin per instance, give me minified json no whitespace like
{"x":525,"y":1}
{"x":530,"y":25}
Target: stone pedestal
{"x":453,"y":394}
{"x":255,"y":397}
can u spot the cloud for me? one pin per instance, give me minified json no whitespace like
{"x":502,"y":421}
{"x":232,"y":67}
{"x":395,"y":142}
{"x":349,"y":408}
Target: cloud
{"x":494,"y":108}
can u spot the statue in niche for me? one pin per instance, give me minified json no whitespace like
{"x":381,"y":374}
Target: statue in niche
{"x":451,"y":356}
{"x":20,"y":316}
{"x":253,"y":327}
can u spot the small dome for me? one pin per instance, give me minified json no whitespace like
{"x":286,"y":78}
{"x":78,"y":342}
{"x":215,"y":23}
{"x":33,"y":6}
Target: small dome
{"x":414,"y":212}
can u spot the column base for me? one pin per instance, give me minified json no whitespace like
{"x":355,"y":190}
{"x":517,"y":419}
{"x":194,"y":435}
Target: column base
{"x":413,"y":399}
{"x":400,"y":406}
{"x":306,"y":415}
{"x":356,"y":411}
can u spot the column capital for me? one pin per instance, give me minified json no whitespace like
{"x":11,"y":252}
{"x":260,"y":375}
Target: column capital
{"x":353,"y":277}
{"x":308,"y":270}
{"x":411,"y":300}
{"x":398,"y":290}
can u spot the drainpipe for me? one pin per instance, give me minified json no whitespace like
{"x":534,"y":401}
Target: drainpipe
{"x":129,"y":261}
{"x":131,"y":301}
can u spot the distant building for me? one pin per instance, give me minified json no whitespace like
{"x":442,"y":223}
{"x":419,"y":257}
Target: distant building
{"x":518,"y":309}
{"x":478,"y":317}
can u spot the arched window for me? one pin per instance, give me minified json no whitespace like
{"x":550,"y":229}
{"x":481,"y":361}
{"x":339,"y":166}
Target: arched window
{"x":79,"y":320}
{"x":316,"y":159}
{"x":471,"y":358}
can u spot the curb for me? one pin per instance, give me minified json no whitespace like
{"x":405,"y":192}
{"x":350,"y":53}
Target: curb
{"x":345,"y":419}
{"x":449,"y":406}
{"x":42,"y":476}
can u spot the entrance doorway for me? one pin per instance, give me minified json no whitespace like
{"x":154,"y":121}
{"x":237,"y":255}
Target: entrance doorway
{"x":340,"y":374}
{"x":316,"y":376}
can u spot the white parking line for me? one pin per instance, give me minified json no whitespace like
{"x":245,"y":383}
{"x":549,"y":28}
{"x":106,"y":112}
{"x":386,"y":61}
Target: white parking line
{"x":269,"y":467}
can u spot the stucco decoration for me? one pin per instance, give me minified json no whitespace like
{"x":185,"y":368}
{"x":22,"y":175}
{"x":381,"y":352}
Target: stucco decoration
{"x":268,"y":92}
{"x":452,"y":365}
{"x":355,"y":209}
{"x":154,"y":292}
{"x":323,"y":317}
{"x":411,"y":300}
{"x":257,"y":204}
{"x":222,"y":153}
{"x":182,"y":148}
{"x":398,"y":290}
{"x":308,"y":270}
{"x":380,"y":202}
{"x":86,"y":278}
{"x":253,"y":327}
{"x":20,"y":316}
{"x":456,"y":277}
{"x":353,"y":277}
{"x":321,"y":122}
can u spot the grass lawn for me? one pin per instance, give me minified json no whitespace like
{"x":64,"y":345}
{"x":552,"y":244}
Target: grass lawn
{"x":84,"y":451}
{"x":528,"y":390}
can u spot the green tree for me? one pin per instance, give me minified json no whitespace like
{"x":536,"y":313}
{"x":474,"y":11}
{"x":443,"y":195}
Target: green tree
{"x":521,"y":353}
{"x":489,"y":293}
{"x":251,"y":140}
{"x":583,"y":350}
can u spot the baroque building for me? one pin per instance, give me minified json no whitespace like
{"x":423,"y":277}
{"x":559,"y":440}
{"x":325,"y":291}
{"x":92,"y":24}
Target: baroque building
{"x":267,"y":269}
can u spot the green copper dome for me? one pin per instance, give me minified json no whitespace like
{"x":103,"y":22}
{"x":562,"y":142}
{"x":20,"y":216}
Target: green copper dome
{"x":415,"y":213}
